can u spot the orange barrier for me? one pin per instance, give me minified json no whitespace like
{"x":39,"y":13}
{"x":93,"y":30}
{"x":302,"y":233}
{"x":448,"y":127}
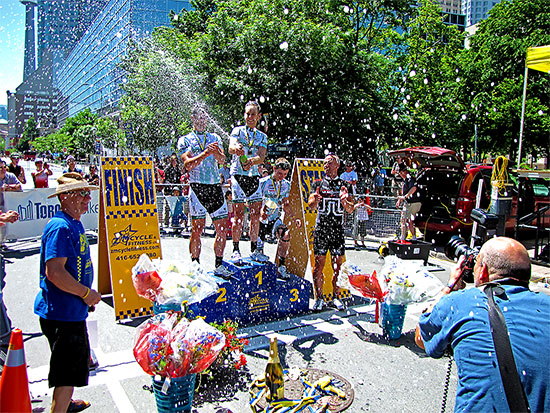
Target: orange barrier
{"x":14,"y":384}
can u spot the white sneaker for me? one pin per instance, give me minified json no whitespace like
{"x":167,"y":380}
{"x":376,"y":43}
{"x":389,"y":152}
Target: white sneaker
{"x":319,"y":305}
{"x":338,"y":304}
{"x":223,"y":272}
{"x":236,"y":256}
{"x":259,"y":256}
{"x":283,"y":273}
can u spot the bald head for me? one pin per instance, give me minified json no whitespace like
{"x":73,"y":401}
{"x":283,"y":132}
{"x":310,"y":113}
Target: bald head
{"x":505,"y":257}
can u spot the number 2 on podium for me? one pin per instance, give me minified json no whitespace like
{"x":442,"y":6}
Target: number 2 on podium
{"x":221,"y":298}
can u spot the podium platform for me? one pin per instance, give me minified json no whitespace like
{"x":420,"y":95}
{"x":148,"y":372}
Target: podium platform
{"x":254,"y":294}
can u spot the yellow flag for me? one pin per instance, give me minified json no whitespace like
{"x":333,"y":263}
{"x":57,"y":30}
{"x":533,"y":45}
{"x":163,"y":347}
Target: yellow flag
{"x":538,"y":58}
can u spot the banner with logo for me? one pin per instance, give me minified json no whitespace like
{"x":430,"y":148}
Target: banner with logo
{"x":131,"y":227}
{"x":35,"y":210}
{"x":307,"y":171}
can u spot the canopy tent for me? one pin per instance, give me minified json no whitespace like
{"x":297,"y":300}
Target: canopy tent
{"x":538,"y":58}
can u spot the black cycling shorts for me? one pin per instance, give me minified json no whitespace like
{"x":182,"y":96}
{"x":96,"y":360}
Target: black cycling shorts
{"x":209,"y":195}
{"x":70,"y":359}
{"x":249,"y":184}
{"x":329,"y":239}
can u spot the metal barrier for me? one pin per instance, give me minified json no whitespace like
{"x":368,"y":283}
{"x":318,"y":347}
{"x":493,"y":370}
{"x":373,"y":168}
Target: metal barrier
{"x":384,"y":220}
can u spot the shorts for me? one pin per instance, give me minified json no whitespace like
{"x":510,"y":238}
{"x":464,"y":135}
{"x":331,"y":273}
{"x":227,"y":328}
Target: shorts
{"x":275,"y":228}
{"x":207,"y":198}
{"x":362,"y":226}
{"x":246,"y":188}
{"x":412,"y":209}
{"x":70,"y":358}
{"x":329,"y":239}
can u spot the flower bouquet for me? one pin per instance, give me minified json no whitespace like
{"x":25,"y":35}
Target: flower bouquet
{"x":399,"y":283}
{"x":172,"y":346}
{"x":173,"y":349}
{"x":170,"y":283}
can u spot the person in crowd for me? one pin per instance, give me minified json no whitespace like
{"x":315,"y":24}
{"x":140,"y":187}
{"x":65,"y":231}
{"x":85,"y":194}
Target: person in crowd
{"x":460,"y":319}
{"x":362,"y":210}
{"x":41,"y":175}
{"x":71,"y":166}
{"x":248,"y":147}
{"x":379,"y":177}
{"x":92,"y":177}
{"x":178,"y":216}
{"x":275,"y":191}
{"x":17,"y":169}
{"x":229,"y":201}
{"x":66,"y":296}
{"x":159,"y":184}
{"x":410,"y":201}
{"x":172,"y":176}
{"x":400,"y":162}
{"x":8,"y":180}
{"x":5,"y":322}
{"x":330,"y":196}
{"x":225,"y":177}
{"x":201,"y":152}
{"x":350,"y":175}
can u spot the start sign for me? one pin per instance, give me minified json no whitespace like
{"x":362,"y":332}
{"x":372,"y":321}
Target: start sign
{"x":130,"y":228}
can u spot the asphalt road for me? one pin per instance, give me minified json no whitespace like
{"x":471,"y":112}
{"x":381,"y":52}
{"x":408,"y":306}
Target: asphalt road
{"x":386,"y":376}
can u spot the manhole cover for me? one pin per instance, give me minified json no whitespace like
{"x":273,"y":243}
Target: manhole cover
{"x":294,"y":389}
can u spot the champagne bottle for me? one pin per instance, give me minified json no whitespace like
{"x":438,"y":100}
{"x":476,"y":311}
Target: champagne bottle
{"x":243,"y":159}
{"x":274,"y":374}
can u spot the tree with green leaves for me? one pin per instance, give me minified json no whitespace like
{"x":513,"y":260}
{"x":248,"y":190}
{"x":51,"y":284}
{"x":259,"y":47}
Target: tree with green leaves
{"x":494,"y":71}
{"x":30,"y":132}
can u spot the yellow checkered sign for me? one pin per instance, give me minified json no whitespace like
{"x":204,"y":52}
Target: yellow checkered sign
{"x":130,"y":228}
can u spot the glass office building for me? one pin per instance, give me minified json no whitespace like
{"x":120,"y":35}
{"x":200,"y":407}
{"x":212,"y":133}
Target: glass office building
{"x":89,"y":77}
{"x":476,"y":10}
{"x":61,"y":23}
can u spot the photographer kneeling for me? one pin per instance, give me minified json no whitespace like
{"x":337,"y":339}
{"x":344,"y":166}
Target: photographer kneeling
{"x":461,"y":319}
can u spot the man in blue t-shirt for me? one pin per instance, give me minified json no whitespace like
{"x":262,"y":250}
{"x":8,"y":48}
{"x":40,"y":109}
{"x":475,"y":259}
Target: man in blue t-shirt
{"x":461,"y":320}
{"x":65,"y":295}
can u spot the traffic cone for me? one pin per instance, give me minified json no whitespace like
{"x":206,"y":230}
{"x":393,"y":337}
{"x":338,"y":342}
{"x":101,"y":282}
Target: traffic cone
{"x":14,"y":384}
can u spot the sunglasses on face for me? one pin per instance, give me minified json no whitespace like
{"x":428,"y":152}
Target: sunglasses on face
{"x":284,"y":166}
{"x":83,"y":194}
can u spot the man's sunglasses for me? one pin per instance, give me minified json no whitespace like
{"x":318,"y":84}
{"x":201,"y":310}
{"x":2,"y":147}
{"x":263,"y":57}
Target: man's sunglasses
{"x":282,"y":165}
{"x":83,"y":194}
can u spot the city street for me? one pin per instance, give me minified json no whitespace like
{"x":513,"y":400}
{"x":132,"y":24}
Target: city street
{"x":385,"y":376}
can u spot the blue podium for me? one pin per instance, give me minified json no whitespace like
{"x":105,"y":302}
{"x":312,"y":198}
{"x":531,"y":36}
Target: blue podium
{"x":254,"y":294}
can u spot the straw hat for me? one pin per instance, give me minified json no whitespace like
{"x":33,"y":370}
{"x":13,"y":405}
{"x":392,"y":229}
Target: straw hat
{"x":72,"y":181}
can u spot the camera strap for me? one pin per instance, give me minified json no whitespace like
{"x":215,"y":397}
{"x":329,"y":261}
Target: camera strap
{"x":515,"y":394}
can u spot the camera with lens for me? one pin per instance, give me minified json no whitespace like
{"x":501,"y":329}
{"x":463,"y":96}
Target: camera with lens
{"x":456,"y":248}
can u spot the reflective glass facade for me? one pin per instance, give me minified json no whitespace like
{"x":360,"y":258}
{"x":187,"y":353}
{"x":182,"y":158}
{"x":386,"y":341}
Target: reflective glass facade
{"x":89,"y":77}
{"x":476,"y":10}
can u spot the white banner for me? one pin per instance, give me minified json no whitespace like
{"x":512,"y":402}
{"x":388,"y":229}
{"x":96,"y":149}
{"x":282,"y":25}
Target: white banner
{"x":35,"y":210}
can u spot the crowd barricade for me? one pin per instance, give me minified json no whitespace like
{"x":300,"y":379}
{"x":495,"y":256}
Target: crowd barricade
{"x":35,"y":210}
{"x":168,"y":204}
{"x":384,"y":219}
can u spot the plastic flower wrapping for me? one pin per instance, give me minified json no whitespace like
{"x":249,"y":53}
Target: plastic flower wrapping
{"x":170,"y":345}
{"x":398,"y":282}
{"x":172,"y":282}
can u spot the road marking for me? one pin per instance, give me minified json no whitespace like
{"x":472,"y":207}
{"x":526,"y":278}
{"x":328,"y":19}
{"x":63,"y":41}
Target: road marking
{"x":120,"y":397}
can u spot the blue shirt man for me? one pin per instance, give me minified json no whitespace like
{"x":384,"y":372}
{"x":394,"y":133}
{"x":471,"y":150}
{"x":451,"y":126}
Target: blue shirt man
{"x":461,"y":320}
{"x":66,"y":275}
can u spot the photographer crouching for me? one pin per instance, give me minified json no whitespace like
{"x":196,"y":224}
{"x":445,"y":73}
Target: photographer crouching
{"x":491,"y":341}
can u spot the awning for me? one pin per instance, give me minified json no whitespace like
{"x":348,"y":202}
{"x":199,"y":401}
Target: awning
{"x":538,"y":58}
